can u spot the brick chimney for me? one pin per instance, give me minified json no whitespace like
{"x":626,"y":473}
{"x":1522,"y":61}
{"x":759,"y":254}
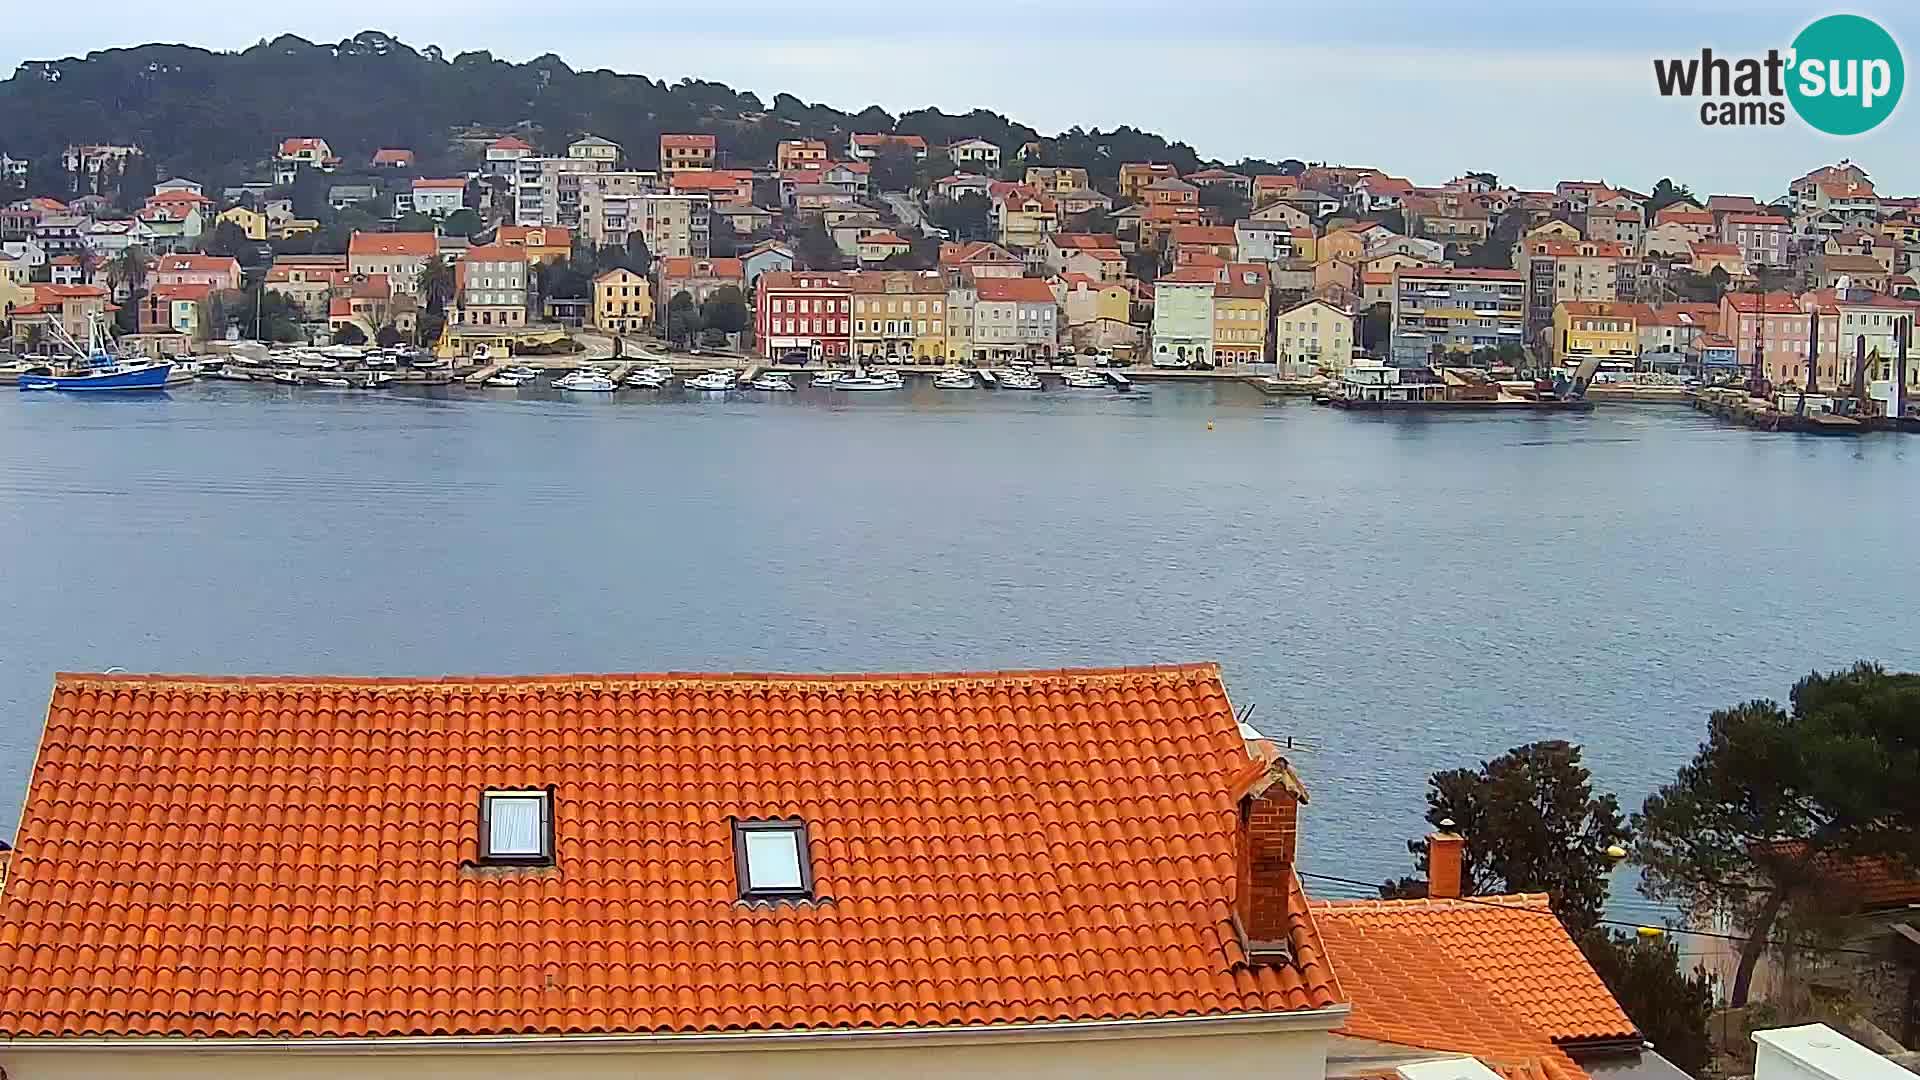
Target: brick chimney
{"x":1444,"y":852}
{"x":1266,"y":844}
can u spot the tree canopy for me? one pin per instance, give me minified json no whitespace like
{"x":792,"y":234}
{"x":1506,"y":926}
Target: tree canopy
{"x":1775,"y":797}
{"x":1532,"y":823}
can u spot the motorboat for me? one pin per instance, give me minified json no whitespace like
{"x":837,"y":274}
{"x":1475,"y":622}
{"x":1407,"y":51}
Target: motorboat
{"x":646,"y":379}
{"x":773,"y":381}
{"x":231,"y":374}
{"x":585,"y":381}
{"x":713,"y":380}
{"x":954,"y":379}
{"x":286,"y":377}
{"x":988,"y":378}
{"x":503,"y":381}
{"x":828,"y":378}
{"x":1080,"y":379}
{"x":333,"y":382}
{"x":95,"y":367}
{"x":877,"y":380}
{"x":378,"y":379}
{"x":1015,"y":379}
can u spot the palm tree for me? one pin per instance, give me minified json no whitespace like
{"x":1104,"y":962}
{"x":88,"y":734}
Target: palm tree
{"x":129,"y":268}
{"x":436,"y":284}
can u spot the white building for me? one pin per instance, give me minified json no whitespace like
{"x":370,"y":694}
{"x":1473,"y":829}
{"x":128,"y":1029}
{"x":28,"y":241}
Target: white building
{"x":439,"y":198}
{"x":1183,"y":317}
{"x":547,"y":190}
{"x":975,"y":155}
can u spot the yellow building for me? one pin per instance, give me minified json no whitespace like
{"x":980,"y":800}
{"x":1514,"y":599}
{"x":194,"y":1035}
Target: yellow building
{"x":622,"y":302}
{"x":899,"y":315}
{"x":1026,"y":220}
{"x":1240,"y":315}
{"x":1603,"y":328}
{"x":1085,"y":300}
{"x":251,"y":222}
{"x":1551,"y":230}
{"x":1315,"y":334}
{"x":1346,"y":245}
{"x":292,"y":227}
{"x":544,"y":243}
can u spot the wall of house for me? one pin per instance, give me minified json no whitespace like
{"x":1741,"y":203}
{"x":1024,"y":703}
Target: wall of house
{"x":1291,"y":1055}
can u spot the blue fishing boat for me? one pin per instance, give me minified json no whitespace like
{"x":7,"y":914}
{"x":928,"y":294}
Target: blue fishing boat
{"x":96,"y":367}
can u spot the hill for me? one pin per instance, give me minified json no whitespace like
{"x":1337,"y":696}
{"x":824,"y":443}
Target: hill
{"x":216,"y":117}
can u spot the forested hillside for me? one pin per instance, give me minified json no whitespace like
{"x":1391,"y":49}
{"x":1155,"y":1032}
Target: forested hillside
{"x":217,"y":116}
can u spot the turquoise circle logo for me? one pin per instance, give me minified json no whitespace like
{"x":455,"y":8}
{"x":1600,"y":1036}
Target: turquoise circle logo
{"x":1847,"y":74}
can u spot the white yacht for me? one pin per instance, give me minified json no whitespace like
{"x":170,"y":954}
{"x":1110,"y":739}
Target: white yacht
{"x":586,"y":381}
{"x":647,"y":379}
{"x":287,"y":376}
{"x":712,"y":380}
{"x":504,"y":381}
{"x":1015,"y":379}
{"x":1080,"y":379}
{"x":333,"y":382}
{"x":878,"y":380}
{"x":954,"y":379}
{"x":827,"y":378}
{"x":773,"y":381}
{"x":520,"y":371}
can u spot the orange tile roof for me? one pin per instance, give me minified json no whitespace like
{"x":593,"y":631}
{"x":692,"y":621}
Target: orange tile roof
{"x":509,"y":142}
{"x":687,"y":142}
{"x":496,"y":252}
{"x":1097,"y":883}
{"x":1496,"y":977}
{"x":393,"y":157}
{"x":1188,"y":275}
{"x":885,"y":237}
{"x":680,"y":266}
{"x":557,"y":236}
{"x":440,"y":184}
{"x":977,"y":251}
{"x":1776,"y":303}
{"x":1089,"y":242}
{"x":1204,"y":234}
{"x":416,"y":244}
{"x":196,"y":264}
{"x":1020,"y":290}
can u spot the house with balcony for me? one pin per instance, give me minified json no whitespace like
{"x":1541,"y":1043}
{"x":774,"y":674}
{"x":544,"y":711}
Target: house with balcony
{"x":1608,"y":329}
{"x":866,"y":147}
{"x":698,"y":278}
{"x":684,"y":152}
{"x":439,"y":198}
{"x":803,"y":313}
{"x":622,"y":302}
{"x":302,"y":153}
{"x":975,"y":155}
{"x":1136,"y":176}
{"x":799,"y":153}
{"x":503,"y":156}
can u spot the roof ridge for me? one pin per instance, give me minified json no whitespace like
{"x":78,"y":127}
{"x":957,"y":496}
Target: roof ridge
{"x":1508,"y":901}
{"x":84,"y":678}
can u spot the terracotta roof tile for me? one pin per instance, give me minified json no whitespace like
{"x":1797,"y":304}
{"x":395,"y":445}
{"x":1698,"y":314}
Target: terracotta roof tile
{"x":1522,"y":953}
{"x":416,"y":244}
{"x":288,"y":856}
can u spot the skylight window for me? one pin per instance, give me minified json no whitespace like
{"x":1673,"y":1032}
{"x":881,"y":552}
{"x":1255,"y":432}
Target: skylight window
{"x":770,"y":858}
{"x":516,"y":827}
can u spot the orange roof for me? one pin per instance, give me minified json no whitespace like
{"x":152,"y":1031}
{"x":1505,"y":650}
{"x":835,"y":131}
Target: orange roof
{"x":417,"y":244}
{"x":914,"y":141}
{"x":884,"y":237}
{"x":339,"y":307}
{"x":686,"y":142}
{"x":509,"y":142}
{"x":680,"y":267}
{"x":289,"y":147}
{"x":710,"y":179}
{"x":1020,"y":289}
{"x":1496,"y":977}
{"x":1091,"y":242}
{"x":1712,"y":250}
{"x":196,"y":264}
{"x":1204,"y":234}
{"x":392,"y":157}
{"x":978,"y":251}
{"x":557,"y":236}
{"x":373,"y":287}
{"x":1776,"y":303}
{"x":1607,"y":308}
{"x":1602,"y":249}
{"x":1097,"y":885}
{"x":1189,"y":275}
{"x":66,"y":260}
{"x":447,"y":184}
{"x":182,"y":292}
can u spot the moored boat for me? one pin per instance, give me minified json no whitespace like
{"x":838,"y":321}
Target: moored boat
{"x":586,"y":382}
{"x":773,"y":382}
{"x":878,"y":380}
{"x":954,"y":379}
{"x":713,"y":380}
{"x":827,"y":378}
{"x":96,"y":367}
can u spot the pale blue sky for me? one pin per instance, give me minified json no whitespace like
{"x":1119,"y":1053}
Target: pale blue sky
{"x":1533,"y":92}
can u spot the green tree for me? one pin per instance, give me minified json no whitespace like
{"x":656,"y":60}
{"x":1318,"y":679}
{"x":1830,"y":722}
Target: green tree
{"x":349,"y":334}
{"x":722,"y":241}
{"x":814,"y":248}
{"x":137,"y":181}
{"x":436,"y":284}
{"x":1225,"y":203}
{"x":463,"y":222}
{"x":683,"y":319}
{"x":1774,"y":796}
{"x":1095,"y":220}
{"x":389,"y":336}
{"x":1532,"y":823}
{"x":725,"y":310}
{"x":129,"y":268}
{"x":1375,"y":326}
{"x":228,"y":239}
{"x":970,"y":217}
{"x":1666,"y":193}
{"x":1671,"y":1007}
{"x":562,"y":280}
{"x":893,"y":168}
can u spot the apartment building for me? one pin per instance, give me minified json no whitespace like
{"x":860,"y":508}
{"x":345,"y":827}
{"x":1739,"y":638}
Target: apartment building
{"x":1763,"y":239}
{"x":1183,"y":316}
{"x":547,"y":190}
{"x":1558,"y":270}
{"x":803,"y":312}
{"x":1015,"y":318}
{"x":617,"y":206}
{"x":491,"y":287}
{"x":682,"y":153}
{"x":1455,"y":309}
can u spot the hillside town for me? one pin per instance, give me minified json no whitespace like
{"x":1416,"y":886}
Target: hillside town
{"x":882,"y":248}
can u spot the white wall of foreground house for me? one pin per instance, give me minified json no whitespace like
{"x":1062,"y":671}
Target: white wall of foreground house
{"x":1817,"y":1052}
{"x":1283,"y":1047}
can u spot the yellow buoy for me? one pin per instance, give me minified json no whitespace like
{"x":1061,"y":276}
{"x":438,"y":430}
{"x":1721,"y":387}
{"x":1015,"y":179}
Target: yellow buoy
{"x":1209,"y":425}
{"x":1650,"y":931}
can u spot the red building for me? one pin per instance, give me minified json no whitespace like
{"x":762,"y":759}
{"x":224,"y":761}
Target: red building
{"x":804,"y":311}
